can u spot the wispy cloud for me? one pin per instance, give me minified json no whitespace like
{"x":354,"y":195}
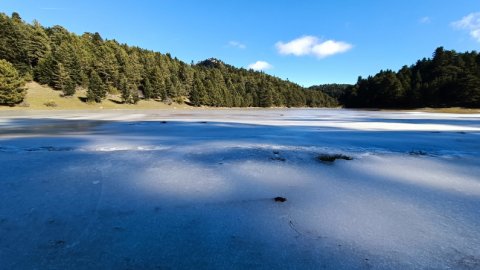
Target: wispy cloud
{"x":237,"y":44}
{"x":260,"y":65}
{"x":471,"y":23}
{"x":425,"y":20}
{"x":311,"y":45}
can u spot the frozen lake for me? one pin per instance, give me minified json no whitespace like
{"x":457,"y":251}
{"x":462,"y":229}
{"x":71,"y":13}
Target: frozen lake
{"x":194,"y":190}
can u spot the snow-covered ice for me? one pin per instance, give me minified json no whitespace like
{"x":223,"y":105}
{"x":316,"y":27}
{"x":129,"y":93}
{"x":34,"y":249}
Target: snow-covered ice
{"x":195,"y":189}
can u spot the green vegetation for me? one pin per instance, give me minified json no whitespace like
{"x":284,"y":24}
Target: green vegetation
{"x":96,"y":88}
{"x":66,"y":62}
{"x":335,"y":90}
{"x":449,"y":79}
{"x":11,"y":84}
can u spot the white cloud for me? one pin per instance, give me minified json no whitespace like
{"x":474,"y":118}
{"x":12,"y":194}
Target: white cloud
{"x":237,"y":44}
{"x":298,"y":47}
{"x":471,"y":22}
{"x":425,"y":20}
{"x":475,"y":34}
{"x":311,"y":45}
{"x":330,"y":47}
{"x":260,"y":65}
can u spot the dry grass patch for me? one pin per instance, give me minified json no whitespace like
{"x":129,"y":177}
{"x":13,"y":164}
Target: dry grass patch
{"x":40,"y":97}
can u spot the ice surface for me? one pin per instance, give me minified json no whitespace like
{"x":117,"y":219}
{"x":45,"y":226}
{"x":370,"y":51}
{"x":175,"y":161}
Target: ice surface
{"x":195,"y":189}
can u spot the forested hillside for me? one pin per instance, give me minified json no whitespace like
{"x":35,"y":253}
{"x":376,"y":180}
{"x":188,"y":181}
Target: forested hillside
{"x":448,"y":79}
{"x":335,"y":90}
{"x":65,"y":61}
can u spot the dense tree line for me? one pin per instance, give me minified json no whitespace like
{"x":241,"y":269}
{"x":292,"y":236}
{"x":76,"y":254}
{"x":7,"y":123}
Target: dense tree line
{"x":335,"y":90}
{"x":66,"y":61}
{"x":448,"y":79}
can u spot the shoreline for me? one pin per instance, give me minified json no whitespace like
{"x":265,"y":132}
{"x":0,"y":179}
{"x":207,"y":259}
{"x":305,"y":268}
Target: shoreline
{"x":184,"y":107}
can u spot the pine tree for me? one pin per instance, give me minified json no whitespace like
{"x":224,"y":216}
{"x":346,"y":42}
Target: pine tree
{"x":125,"y":89}
{"x":59,"y":77}
{"x":129,"y":92}
{"x":147,"y":89}
{"x":43,"y":72}
{"x":69,"y":87}
{"x":169,"y":88}
{"x":96,"y":88}
{"x":135,"y":97}
{"x":198,"y":94}
{"x":265,"y":96}
{"x":11,"y":84}
{"x":13,"y":42}
{"x":38,"y":45}
{"x":156,"y":80}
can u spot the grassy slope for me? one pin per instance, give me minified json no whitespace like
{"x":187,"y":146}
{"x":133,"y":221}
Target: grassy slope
{"x":38,"y":95}
{"x":456,"y":110}
{"x":451,"y":110}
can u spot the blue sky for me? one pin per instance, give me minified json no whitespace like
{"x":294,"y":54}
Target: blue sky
{"x":308,"y":42}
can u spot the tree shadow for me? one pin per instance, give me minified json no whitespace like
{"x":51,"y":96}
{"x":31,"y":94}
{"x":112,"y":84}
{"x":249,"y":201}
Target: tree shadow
{"x":83,"y":99}
{"x":116,"y":101}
